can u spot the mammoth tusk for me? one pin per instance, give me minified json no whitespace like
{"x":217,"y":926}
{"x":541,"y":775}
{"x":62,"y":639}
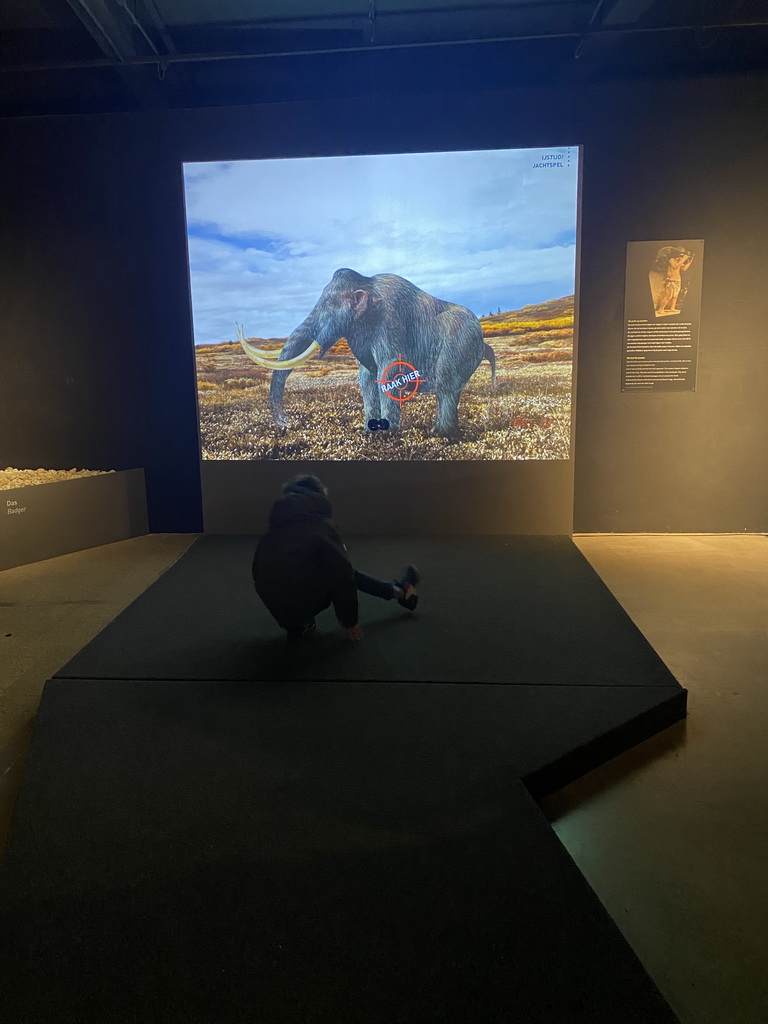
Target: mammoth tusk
{"x":281,"y":364}
{"x":251,"y":348}
{"x":269,"y":360}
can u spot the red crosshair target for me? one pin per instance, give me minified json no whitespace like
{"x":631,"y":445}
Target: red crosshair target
{"x":404,"y":380}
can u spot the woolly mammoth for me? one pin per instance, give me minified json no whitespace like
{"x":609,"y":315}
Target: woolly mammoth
{"x":385,"y":319}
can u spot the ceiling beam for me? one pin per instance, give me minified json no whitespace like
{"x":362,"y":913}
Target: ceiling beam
{"x":159,"y":25}
{"x":112,"y":28}
{"x":625,"y":12}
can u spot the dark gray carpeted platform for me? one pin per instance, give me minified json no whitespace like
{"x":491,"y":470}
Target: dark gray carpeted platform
{"x":223,"y":853}
{"x":524,"y":610}
{"x":213,"y":829}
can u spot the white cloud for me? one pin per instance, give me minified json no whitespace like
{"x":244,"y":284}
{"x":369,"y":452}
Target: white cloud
{"x":276,"y":230}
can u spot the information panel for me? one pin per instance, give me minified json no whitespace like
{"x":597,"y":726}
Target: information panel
{"x":662,"y":304}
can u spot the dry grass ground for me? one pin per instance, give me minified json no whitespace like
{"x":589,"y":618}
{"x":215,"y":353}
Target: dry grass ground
{"x":526,"y":416}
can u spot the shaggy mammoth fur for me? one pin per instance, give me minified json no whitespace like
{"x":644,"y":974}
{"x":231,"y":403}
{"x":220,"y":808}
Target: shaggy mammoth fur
{"x":386,"y":318}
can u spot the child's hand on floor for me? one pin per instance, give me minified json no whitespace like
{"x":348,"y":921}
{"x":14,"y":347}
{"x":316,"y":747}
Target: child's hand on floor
{"x":353,"y":633}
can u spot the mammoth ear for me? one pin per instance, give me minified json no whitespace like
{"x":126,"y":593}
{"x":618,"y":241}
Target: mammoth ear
{"x":359,"y":301}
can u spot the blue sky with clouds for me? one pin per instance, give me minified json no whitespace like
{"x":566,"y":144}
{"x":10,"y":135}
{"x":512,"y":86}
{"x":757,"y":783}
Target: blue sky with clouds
{"x":485,"y":229}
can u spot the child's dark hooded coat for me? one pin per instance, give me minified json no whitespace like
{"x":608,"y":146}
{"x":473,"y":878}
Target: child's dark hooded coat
{"x":301,"y":565}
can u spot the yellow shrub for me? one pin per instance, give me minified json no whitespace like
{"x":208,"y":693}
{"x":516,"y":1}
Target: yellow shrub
{"x":556,"y":356}
{"x":491,"y":330}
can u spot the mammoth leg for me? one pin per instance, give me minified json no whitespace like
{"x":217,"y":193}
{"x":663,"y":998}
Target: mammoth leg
{"x":371,"y":394}
{"x":391,"y":410}
{"x":461,"y":350}
{"x":447,"y":419}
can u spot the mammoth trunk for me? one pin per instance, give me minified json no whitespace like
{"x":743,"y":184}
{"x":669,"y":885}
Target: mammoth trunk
{"x":276,"y":392}
{"x":297,"y":345}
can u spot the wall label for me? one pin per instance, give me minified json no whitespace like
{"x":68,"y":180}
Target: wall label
{"x":662,"y":304}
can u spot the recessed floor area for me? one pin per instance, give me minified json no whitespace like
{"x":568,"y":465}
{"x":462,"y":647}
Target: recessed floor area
{"x":671,"y":836}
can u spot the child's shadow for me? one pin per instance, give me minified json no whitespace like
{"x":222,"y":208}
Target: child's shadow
{"x":328,"y":655}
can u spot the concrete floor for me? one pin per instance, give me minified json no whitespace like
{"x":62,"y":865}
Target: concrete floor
{"x":673,"y":836}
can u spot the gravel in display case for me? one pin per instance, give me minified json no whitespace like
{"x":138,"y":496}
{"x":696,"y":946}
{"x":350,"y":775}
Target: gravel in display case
{"x":50,"y":512}
{"x":11,"y":478}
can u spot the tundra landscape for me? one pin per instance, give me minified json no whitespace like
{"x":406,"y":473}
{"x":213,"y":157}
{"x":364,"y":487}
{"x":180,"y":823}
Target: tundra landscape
{"x":527,"y":415}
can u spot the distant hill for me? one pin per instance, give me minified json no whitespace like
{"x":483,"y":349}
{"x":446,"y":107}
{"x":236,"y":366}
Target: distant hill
{"x":550,"y":310}
{"x":549,"y":321}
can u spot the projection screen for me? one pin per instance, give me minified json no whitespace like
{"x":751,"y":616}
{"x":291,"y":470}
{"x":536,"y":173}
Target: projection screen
{"x":392,"y":307}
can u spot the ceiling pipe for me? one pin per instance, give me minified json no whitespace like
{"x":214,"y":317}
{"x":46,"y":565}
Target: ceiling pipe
{"x":204,"y":58}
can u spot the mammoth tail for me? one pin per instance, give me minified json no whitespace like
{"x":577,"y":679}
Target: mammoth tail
{"x":490,"y":355}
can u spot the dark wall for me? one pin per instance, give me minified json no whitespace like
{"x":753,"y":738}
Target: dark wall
{"x":405,"y":498}
{"x":95,"y":331}
{"x":97,"y":369}
{"x":682,"y":160}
